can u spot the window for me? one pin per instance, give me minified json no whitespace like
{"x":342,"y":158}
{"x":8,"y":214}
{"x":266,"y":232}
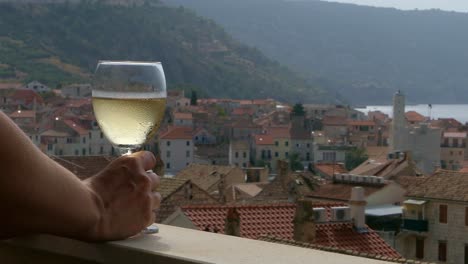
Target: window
{"x":61,"y":152}
{"x":276,"y":143}
{"x":168,"y":165}
{"x":244,"y":165}
{"x":83,"y":152}
{"x":443,"y":213}
{"x":69,"y":140}
{"x":188,"y":143}
{"x":286,"y":154}
{"x":297,"y":145}
{"x":244,"y":154}
{"x":101,"y":150}
{"x":168,"y":143}
{"x":276,"y":154}
{"x":308,"y":145}
{"x":329,"y":156}
{"x":307,"y":156}
{"x":237,"y":154}
{"x":187,"y":154}
{"x":77,"y":152}
{"x":168,"y":154}
{"x":37,"y":137}
{"x":419,"y":248}
{"x":90,"y":135}
{"x":442,"y":250}
{"x":101,"y":135}
{"x":55,"y":140}
{"x":50,"y":147}
{"x":84,"y":140}
{"x":286,"y":143}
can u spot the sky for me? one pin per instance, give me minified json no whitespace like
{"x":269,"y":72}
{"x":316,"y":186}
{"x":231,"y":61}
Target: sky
{"x":448,"y":5}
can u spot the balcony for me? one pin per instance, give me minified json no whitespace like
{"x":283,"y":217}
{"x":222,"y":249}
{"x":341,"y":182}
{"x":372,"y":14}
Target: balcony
{"x":172,"y":245}
{"x":415,"y":225}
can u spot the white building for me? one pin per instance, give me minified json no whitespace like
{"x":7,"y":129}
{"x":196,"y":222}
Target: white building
{"x":176,"y":148}
{"x":38,"y":87}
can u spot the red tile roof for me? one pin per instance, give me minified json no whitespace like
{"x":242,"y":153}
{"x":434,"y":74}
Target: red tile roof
{"x":243,"y":111}
{"x":361,"y":123}
{"x":23,"y":114}
{"x":413,"y":116}
{"x":185,"y":116}
{"x":330,"y":168}
{"x":277,"y":220}
{"x":27,"y":95}
{"x":340,"y":191}
{"x":76,"y":127}
{"x":178,"y":133}
{"x":78,"y":102}
{"x":334,"y":121}
{"x":279,"y":132}
{"x":264,"y":140}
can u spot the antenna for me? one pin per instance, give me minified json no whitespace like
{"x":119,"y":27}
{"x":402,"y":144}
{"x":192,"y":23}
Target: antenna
{"x":430,"y":111}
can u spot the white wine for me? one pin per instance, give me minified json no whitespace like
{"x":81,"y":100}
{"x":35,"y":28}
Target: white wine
{"x":128,"y":122}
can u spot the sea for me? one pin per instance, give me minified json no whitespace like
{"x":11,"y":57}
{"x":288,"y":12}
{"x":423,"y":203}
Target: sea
{"x":457,"y":111}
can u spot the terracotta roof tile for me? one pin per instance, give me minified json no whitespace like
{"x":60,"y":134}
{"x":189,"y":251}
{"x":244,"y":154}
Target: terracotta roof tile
{"x":83,"y":166}
{"x":23,"y":114}
{"x":278,"y":132}
{"x":178,"y":133}
{"x":264,"y":140}
{"x":340,"y":191}
{"x":76,"y":127}
{"x":168,"y":186}
{"x":444,"y":184}
{"x":27,"y":95}
{"x":413,"y":116}
{"x":277,"y":220}
{"x":330,"y":168}
{"x":184,"y":116}
{"x":243,"y":111}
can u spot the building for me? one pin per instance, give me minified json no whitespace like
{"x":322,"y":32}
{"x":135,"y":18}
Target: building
{"x":422,"y":141}
{"x":435,"y":219}
{"x":328,"y":225}
{"x":239,"y":154}
{"x":176,"y":148}
{"x":77,"y":91}
{"x":37,"y":87}
{"x":452,"y":150}
{"x":330,"y":153}
{"x":183,"y":119}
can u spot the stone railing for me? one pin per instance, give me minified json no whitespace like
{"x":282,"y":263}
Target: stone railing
{"x":172,"y":245}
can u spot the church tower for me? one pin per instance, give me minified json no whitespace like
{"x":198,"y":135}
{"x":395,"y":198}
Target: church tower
{"x":398,"y":133}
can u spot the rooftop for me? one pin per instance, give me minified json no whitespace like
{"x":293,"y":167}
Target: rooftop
{"x":178,"y":133}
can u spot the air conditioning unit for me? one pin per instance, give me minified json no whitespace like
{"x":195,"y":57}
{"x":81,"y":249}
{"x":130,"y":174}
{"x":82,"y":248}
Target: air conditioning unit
{"x":320,"y":215}
{"x":338,"y":177}
{"x":352,"y":178}
{"x":341,"y":213}
{"x":366,"y":179}
{"x":359,"y":179}
{"x":345,"y":177}
{"x":379,"y":180}
{"x":372,"y":179}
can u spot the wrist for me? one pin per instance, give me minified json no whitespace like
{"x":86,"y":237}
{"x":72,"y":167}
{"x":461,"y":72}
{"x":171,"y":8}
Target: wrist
{"x":96,"y":209}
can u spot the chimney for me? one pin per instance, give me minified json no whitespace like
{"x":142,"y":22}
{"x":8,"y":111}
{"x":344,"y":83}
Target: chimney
{"x":232,"y":225}
{"x":282,"y":168}
{"x":304,"y":225}
{"x":358,"y":206}
{"x":221,"y":189}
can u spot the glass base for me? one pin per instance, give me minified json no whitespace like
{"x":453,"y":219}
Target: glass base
{"x":152,"y":229}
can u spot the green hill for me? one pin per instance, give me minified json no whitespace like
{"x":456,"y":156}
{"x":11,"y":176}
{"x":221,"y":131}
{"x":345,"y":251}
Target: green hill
{"x":371,"y":51}
{"x":59,"y":43}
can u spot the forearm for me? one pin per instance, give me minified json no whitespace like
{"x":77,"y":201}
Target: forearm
{"x":37,"y":194}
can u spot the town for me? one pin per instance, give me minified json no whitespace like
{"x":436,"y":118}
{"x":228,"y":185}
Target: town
{"x":325,"y":177}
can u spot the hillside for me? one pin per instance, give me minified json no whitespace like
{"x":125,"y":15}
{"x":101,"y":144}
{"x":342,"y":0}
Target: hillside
{"x":371,"y":52}
{"x":62,"y":42}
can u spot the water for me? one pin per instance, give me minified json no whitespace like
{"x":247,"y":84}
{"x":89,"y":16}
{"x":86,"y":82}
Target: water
{"x":457,"y":111}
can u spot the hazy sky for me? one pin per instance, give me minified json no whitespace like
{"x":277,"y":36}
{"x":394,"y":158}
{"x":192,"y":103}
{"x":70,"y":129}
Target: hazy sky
{"x":450,"y":5}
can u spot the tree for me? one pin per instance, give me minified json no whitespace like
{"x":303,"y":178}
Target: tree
{"x":298,"y":110}
{"x":193,"y":98}
{"x":295,"y":162}
{"x":355,"y":157}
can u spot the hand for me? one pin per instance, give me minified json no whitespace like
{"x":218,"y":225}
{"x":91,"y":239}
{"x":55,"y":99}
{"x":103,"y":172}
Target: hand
{"x":124,"y":197}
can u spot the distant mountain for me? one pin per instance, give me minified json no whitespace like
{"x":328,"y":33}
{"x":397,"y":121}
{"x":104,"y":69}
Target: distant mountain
{"x":59,"y":43}
{"x":368,"y":52}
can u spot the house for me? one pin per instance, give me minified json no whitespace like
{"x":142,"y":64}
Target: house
{"x":362,"y":133}
{"x":435,"y":219}
{"x":183,"y":119}
{"x":388,"y":166}
{"x":176,"y":192}
{"x":452,"y":150}
{"x":203,"y":137}
{"x":77,"y":91}
{"x":214,"y":179}
{"x":212,"y":154}
{"x":335,"y":127}
{"x":328,"y":169}
{"x":24,"y":99}
{"x":301,"y":140}
{"x":275,"y":144}
{"x":37,"y":87}
{"x":414,"y":118}
{"x":328,"y":225}
{"x":239,"y":154}
{"x":176,"y":148}
{"x":330,"y":153}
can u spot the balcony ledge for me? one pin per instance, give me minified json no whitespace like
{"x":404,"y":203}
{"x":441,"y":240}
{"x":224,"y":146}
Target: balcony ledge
{"x":171,"y":245}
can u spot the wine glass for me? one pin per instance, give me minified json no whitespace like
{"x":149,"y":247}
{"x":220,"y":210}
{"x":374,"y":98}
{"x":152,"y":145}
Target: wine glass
{"x":129,"y":99}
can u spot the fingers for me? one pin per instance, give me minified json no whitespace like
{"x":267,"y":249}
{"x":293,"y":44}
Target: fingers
{"x":155,"y":180}
{"x":156,"y":200}
{"x":148,"y":161}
